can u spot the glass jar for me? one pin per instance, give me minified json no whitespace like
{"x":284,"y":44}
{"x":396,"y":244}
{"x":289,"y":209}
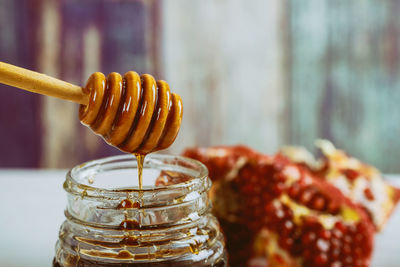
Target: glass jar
{"x":109,"y":222}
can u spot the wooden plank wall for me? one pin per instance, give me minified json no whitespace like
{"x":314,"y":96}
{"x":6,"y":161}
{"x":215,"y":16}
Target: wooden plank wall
{"x":344,"y":77}
{"x":276,"y":72}
{"x":264,"y":73}
{"x":226,"y":60}
{"x":69,"y":39}
{"x":20,"y":124}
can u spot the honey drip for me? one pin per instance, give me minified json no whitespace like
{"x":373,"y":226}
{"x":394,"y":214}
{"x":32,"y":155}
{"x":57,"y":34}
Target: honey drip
{"x":140,"y":161}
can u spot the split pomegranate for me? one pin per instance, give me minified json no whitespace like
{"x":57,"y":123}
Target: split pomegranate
{"x":276,"y":212}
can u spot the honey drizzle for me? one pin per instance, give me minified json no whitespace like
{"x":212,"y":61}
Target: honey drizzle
{"x":140,"y":161}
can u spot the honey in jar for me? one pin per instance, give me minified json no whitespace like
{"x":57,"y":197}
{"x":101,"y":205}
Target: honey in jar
{"x":168,"y":222}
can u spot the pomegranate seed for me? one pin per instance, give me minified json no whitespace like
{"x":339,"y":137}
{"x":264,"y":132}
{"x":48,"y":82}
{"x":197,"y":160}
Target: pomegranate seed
{"x":336,"y":264}
{"x":359,"y":238}
{"x":336,"y":233}
{"x":287,"y":227}
{"x":322,"y":245}
{"x":325,"y":234}
{"x":358,"y":251}
{"x":360,"y":263}
{"x":269,"y":208}
{"x":247,"y":189}
{"x":318,"y":202}
{"x":348,"y":260}
{"x":266,"y":197}
{"x":255,"y":201}
{"x":340,"y":226}
{"x":335,"y":253}
{"x":335,"y":243}
{"x":321,"y":259}
{"x":278,"y":188}
{"x":352,"y":228}
{"x":351,"y":174}
{"x":279,"y":177}
{"x":279,"y":213}
{"x":297,"y":249}
{"x":368,"y":194}
{"x":285,"y":243}
{"x":307,"y":254}
{"x":347,"y":239}
{"x":346,"y":249}
{"x":306,"y":196}
{"x":288,"y":212}
{"x":310,"y":220}
{"x":308,"y":238}
{"x":257,"y":211}
{"x":294,"y":191}
{"x":332,"y":207}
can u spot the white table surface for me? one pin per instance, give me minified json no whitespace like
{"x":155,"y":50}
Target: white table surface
{"x":32,"y":206}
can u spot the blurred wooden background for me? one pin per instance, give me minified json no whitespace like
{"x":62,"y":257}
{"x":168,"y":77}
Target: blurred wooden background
{"x":262,"y":73}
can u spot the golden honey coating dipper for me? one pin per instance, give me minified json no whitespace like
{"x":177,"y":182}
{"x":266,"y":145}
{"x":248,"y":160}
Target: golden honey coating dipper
{"x":133,"y":113}
{"x":136,"y":114}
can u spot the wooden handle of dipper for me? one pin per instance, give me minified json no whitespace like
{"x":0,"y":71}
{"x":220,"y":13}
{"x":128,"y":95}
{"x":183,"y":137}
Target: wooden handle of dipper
{"x":40,"y":83}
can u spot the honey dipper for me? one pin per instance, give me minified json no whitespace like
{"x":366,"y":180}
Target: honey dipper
{"x":136,"y":114}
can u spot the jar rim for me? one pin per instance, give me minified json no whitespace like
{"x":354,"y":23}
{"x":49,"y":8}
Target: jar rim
{"x":71,"y":181}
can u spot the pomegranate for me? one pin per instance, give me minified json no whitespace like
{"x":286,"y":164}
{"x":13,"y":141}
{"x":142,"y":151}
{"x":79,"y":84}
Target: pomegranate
{"x":278,"y":212}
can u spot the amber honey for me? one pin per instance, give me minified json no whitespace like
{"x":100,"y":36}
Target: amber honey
{"x":165,"y":224}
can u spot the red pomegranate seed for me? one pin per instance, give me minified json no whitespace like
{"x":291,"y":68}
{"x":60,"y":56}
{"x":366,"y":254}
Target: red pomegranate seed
{"x":257,"y":212}
{"x":308,"y":238}
{"x":325,"y":234}
{"x":279,"y":177}
{"x":346,"y":249}
{"x":332,"y":207}
{"x":287,"y":227}
{"x":321,"y":259}
{"x":368,"y":194}
{"x":297,"y":249}
{"x":294,"y":191}
{"x":358,"y":251}
{"x":288,"y":212}
{"x":351,"y":174}
{"x":285,"y":243}
{"x":348,"y":260}
{"x":353,"y":229}
{"x":318,"y":202}
{"x":335,"y":243}
{"x":306,"y":196}
{"x":279,"y":213}
{"x":269,"y":208}
{"x":278,"y":188}
{"x":310,"y":221}
{"x":307,"y":254}
{"x":336,"y":233}
{"x":359,"y":238}
{"x":322,"y":245}
{"x":247,"y":188}
{"x":340,"y":226}
{"x":336,"y":264}
{"x":335,"y":253}
{"x":255,"y":201}
{"x":347,"y":239}
{"x":360,"y":263}
{"x":257,"y":189}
